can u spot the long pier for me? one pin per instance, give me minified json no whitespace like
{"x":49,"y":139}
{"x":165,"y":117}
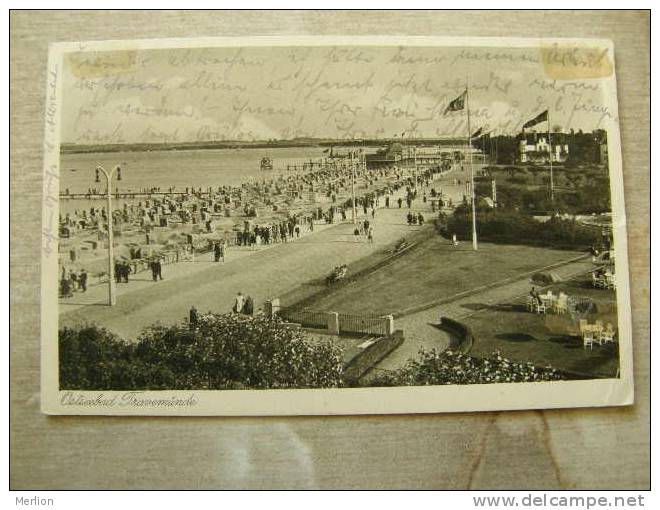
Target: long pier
{"x":131,"y":194}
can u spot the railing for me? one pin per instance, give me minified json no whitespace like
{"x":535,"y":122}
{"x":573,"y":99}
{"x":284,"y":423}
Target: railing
{"x":371,"y":324}
{"x":305,"y":318}
{"x":367,"y":324}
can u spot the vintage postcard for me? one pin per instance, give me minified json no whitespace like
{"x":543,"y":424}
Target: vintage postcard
{"x":333,"y":225}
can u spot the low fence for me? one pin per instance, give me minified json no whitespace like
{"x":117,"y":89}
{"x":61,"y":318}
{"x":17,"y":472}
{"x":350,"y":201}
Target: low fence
{"x":365,"y":324}
{"x":335,"y":323}
{"x":306,"y":318}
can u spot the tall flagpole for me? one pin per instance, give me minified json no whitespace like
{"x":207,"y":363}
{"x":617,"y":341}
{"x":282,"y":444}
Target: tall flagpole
{"x":469,"y":146}
{"x":552,"y":184}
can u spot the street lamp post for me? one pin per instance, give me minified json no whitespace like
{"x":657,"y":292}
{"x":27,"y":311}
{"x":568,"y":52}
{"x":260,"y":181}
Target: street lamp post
{"x":112,"y":294}
{"x":353,"y":188}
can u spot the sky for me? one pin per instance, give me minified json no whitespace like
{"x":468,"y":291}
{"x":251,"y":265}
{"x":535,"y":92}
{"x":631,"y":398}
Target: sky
{"x":345,"y":92}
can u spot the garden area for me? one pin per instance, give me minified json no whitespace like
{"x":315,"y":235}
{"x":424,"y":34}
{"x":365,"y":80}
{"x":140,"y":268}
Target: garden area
{"x":232,"y":352}
{"x":549,"y":339}
{"x":447,"y":367}
{"x":432,"y":270}
{"x":578,"y":190}
{"x":510,"y":226}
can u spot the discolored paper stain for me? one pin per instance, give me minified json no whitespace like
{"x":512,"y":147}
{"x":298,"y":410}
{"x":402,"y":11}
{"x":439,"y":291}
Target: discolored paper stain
{"x":575,"y":63}
{"x":101,"y":64}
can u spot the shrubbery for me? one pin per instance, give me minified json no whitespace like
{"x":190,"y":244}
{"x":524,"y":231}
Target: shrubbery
{"x":508,"y":226}
{"x":582,"y":193}
{"x":435,"y":368}
{"x":224,"y":352}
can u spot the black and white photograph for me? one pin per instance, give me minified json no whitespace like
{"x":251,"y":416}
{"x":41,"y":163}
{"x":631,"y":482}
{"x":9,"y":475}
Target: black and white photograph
{"x":327,"y":225}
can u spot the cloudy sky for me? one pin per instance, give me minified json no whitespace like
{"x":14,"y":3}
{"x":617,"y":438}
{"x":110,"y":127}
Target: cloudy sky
{"x":258,"y":93}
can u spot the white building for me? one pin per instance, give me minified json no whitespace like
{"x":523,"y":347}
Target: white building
{"x":535,"y":148}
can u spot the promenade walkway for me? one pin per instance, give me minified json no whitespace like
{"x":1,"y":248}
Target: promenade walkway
{"x":268,"y":271}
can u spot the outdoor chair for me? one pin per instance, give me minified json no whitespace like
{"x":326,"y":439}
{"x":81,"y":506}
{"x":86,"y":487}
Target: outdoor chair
{"x":595,"y":281}
{"x":608,"y":334}
{"x":561,"y":305}
{"x":531,"y":303}
{"x":583,"y":325}
{"x":540,"y":308}
{"x":588,"y":339}
{"x":610,"y":282}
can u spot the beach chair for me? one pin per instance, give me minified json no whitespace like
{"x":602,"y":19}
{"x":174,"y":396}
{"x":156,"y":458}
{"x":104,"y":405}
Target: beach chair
{"x":588,"y":338}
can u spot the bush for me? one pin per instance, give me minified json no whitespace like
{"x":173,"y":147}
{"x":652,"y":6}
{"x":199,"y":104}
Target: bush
{"x":227,"y":351}
{"x":513,"y":227}
{"x":586,"y":193}
{"x":441,"y":368}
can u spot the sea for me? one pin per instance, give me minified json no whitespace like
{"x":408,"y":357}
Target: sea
{"x":177,"y":168}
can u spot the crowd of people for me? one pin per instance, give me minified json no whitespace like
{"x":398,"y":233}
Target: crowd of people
{"x":286,"y":220}
{"x":72,"y":281}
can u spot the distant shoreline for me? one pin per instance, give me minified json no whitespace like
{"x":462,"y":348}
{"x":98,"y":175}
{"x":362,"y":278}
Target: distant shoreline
{"x":237,"y":144}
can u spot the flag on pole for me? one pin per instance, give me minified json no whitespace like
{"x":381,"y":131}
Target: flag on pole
{"x":457,"y":104}
{"x":477,"y":133}
{"x":541,"y":117}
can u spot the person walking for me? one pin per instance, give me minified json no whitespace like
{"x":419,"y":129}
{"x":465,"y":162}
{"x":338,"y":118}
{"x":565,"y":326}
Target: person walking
{"x":248,"y":307}
{"x":118,"y":272}
{"x":371,"y":235}
{"x":82,"y":280}
{"x":400,"y":201}
{"x":193,"y":318}
{"x":216,"y":252}
{"x":125,"y":271}
{"x":154,"y":271}
{"x":159,"y":268}
{"x":239,"y":303}
{"x":223,"y":249}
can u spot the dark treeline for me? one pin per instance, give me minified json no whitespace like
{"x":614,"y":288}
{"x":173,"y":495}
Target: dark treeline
{"x":583,"y":148}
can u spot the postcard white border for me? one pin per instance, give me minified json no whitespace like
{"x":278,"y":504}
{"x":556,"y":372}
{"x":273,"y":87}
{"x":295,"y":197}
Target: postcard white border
{"x":397,"y":400}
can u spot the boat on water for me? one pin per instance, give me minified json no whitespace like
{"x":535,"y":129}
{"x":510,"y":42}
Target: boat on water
{"x":266,"y":164}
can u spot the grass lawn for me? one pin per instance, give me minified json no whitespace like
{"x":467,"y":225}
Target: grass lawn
{"x":433,"y":270}
{"x":548,"y":339}
{"x":311,"y":292}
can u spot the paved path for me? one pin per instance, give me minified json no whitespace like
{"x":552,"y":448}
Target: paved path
{"x":263,"y":273}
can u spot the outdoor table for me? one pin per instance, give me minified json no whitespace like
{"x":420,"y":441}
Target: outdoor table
{"x":548,"y":300}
